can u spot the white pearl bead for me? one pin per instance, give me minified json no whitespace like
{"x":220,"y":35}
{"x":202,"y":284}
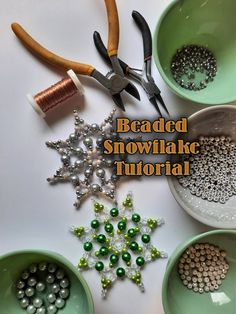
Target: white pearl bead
{"x":51,"y":297}
{"x":41,"y":310}
{"x":52,"y":309}
{"x":64,"y":283}
{"x":43,"y":266}
{"x":20,"y":294}
{"x":24,"y":303}
{"x":33,"y":268}
{"x":29,"y":292}
{"x":64,"y":293}
{"x":60,"y":274}
{"x":40,"y":287}
{"x":60,"y":303}
{"x":37,"y":302}
{"x":50,"y":279}
{"x":52,"y":268}
{"x":32,"y":282}
{"x":55,"y":288}
{"x":31,"y":309}
{"x":20,"y":284}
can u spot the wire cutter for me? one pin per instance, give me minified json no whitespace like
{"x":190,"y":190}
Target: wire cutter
{"x":144,"y":77}
{"x":115,"y":82}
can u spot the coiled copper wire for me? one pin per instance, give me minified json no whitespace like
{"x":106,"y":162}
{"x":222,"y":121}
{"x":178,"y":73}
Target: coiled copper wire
{"x":55,"y":95}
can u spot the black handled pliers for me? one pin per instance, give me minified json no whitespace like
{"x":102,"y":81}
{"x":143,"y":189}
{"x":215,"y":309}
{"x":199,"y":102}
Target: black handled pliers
{"x":144,"y":76}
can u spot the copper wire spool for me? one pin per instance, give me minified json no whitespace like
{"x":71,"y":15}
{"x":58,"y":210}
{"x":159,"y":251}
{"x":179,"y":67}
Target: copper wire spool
{"x":48,"y":99}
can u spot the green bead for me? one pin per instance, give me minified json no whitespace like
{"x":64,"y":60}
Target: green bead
{"x":99,"y":266}
{"x":136,"y":218}
{"x":140,"y":261}
{"x":121,"y":225}
{"x":146,"y":238}
{"x":109,"y":228}
{"x":114,"y":212}
{"x":131,"y":233}
{"x":95,"y":224}
{"x":103,"y":251}
{"x":126,"y":257}
{"x":134,"y":246}
{"x":120,"y":272}
{"x":88,"y":246}
{"x":114,"y":258}
{"x":101,"y":238}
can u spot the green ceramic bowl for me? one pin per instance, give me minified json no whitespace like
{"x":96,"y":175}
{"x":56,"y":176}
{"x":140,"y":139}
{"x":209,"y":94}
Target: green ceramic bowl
{"x":209,"y":23}
{"x":12,"y":265}
{"x":177,"y":299}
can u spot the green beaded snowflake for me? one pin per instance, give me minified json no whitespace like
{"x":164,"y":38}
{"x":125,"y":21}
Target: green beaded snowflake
{"x":118,"y":244}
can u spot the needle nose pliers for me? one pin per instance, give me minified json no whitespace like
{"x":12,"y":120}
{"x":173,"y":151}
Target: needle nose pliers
{"x":115,"y":83}
{"x":144,"y":77}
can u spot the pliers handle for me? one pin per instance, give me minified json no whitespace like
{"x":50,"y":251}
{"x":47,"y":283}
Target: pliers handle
{"x":146,"y":34}
{"x":48,"y":56}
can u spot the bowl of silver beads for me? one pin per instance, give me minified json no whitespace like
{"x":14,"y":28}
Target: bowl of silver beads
{"x":195,"y":49}
{"x":200,"y":275}
{"x":208,"y":194}
{"x":41,"y":282}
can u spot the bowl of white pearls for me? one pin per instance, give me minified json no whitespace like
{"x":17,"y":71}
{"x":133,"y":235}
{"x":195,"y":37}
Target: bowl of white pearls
{"x":208,"y":194}
{"x":200,"y":275}
{"x":42,"y":282}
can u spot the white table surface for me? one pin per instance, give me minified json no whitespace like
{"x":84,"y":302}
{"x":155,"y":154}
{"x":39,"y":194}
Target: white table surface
{"x":34,"y":215}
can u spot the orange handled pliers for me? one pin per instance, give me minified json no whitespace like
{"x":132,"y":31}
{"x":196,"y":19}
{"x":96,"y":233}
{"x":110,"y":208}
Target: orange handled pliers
{"x":115,"y":82}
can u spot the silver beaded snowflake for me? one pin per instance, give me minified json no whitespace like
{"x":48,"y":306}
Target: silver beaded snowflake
{"x":117,"y":244}
{"x":83,"y":162}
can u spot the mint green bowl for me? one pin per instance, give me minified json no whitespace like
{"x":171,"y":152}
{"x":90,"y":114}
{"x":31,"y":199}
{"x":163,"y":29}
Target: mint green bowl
{"x":177,"y":299}
{"x":11,"y":267}
{"x":210,"y":23}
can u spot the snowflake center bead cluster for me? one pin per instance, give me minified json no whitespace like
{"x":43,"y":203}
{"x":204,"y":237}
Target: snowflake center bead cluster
{"x":83,"y":162}
{"x":212,"y":172}
{"x":118,"y":244}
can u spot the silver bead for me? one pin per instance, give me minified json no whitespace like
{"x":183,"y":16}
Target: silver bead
{"x":37,"y":302}
{"x":51,"y":297}
{"x":94,"y":127}
{"x":100,"y":173}
{"x":95,"y":188}
{"x":64,"y":283}
{"x":64,"y":293}
{"x":50,"y":279}
{"x":31,"y":309}
{"x":79,"y":151}
{"x":52,"y":309}
{"x":79,"y":163}
{"x":40,"y":287}
{"x":88,"y":172}
{"x":55,"y":288}
{"x":42,"y":266}
{"x":88,"y":142}
{"x":32,"y":282}
{"x":65,"y":159}
{"x":24,"y":303}
{"x":20,"y":284}
{"x":52,"y":268}
{"x":20,"y":294}
{"x":60,"y":274}
{"x":73,"y":137}
{"x":29,"y":292}
{"x":60,"y":303}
